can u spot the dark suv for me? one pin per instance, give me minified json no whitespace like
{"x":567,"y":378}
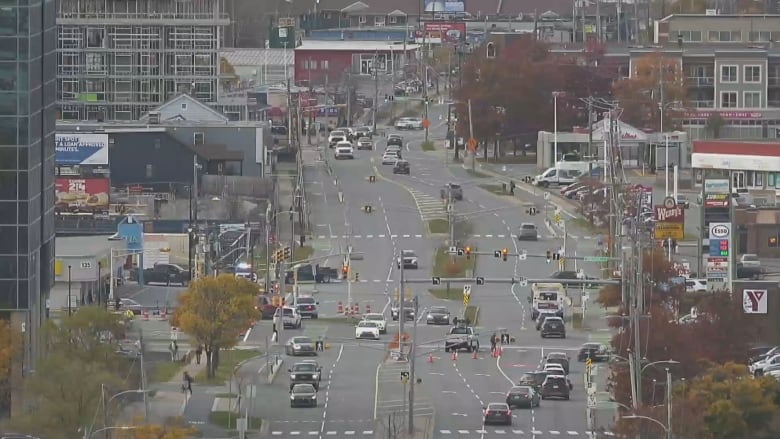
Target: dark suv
{"x":553,"y":327}
{"x":534,"y":379}
{"x":305,"y":373}
{"x":555,"y":386}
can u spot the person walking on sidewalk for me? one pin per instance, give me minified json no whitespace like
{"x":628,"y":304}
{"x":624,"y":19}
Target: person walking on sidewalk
{"x":493,"y":341}
{"x":198,"y":354}
{"x":187,"y":382}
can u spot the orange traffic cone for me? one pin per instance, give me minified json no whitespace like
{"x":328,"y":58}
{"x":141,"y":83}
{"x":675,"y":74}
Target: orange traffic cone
{"x":454,"y":355}
{"x":430,"y":358}
{"x":340,"y":308}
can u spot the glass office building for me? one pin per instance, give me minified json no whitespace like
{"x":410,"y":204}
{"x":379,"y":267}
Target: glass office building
{"x":28,"y":62}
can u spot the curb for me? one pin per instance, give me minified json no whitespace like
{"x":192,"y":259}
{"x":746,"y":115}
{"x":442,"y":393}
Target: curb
{"x":275,"y":369}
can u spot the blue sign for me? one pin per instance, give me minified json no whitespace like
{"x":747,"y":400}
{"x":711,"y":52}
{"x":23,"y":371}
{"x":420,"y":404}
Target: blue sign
{"x":132,"y":232}
{"x":328,"y":111}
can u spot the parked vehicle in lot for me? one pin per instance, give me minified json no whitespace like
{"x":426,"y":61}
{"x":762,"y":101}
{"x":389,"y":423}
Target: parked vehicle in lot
{"x":344,"y":150}
{"x":523,"y":396}
{"x":167,"y":274}
{"x":395,"y":139}
{"x":299,"y":345}
{"x":497,"y":413}
{"x":305,"y":373}
{"x":695,"y":285}
{"x":303,"y":395}
{"x":379,"y":319}
{"x":401,"y":167}
{"x":364,"y":143}
{"x":683,"y":201}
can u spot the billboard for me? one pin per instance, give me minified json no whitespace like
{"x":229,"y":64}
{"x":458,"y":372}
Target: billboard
{"x":81,"y":149}
{"x":445,"y":32}
{"x":445,"y":6}
{"x":82,"y":195}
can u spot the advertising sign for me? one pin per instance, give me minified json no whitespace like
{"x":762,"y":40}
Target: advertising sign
{"x":716,"y":200}
{"x":445,"y":6}
{"x":665,"y":214}
{"x":82,"y":195}
{"x":716,"y":186}
{"x":754,"y":301}
{"x":445,"y":32}
{"x":718,"y":262}
{"x":81,"y":149}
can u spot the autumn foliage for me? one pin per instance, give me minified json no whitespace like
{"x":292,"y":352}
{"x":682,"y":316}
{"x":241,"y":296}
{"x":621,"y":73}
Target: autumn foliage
{"x":175,"y":429}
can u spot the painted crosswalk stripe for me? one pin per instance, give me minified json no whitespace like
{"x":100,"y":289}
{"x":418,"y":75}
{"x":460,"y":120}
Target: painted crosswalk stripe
{"x":483,"y":431}
{"x":276,"y":433}
{"x":555,"y":432}
{"x":445,"y":431}
{"x":314,"y":433}
{"x":367,"y":432}
{"x":406,"y":236}
{"x":349,"y":433}
{"x":330,"y":433}
{"x":394,"y":236}
{"x":499,"y":432}
{"x":381,"y":236}
{"x":418,"y":236}
{"x":463,"y":431}
{"x":488,"y":236}
{"x":572,"y":433}
{"x":536,"y":432}
{"x":517,"y":431}
{"x":334,"y":237}
{"x":376,"y":281}
{"x":369,"y":236}
{"x":321,"y":236}
{"x":295,"y":433}
{"x":500,"y":236}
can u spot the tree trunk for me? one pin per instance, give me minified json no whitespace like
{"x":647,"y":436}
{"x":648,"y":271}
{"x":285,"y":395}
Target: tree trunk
{"x":208,"y":352}
{"x":215,"y":362}
{"x":485,"y":143}
{"x":495,"y":149}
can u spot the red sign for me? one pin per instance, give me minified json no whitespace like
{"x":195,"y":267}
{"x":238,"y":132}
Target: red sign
{"x":723,"y":114}
{"x":445,"y":31}
{"x":82,"y":195}
{"x":716,"y":200}
{"x":674,"y":215}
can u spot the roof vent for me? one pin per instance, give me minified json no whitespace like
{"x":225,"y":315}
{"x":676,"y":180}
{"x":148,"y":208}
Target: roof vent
{"x":154,"y":117}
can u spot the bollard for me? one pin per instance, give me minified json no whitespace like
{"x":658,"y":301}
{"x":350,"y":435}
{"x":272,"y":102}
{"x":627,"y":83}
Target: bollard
{"x":340,"y":308}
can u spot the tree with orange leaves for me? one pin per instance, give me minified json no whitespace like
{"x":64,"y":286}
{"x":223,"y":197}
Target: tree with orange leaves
{"x":10,"y":347}
{"x":654,"y":93}
{"x":174,"y":429}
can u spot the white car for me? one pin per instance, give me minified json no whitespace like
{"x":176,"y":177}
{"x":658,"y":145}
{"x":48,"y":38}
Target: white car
{"x":758,"y":367}
{"x":377,"y":318}
{"x":408,"y":123}
{"x":366,"y":329}
{"x":555,"y":368}
{"x":389,"y":158}
{"x":336,"y":136}
{"x":344,"y":150}
{"x":695,"y":285}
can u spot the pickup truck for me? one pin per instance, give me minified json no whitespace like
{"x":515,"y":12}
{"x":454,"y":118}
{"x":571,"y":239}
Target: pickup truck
{"x":167,"y":274}
{"x":461,"y":337}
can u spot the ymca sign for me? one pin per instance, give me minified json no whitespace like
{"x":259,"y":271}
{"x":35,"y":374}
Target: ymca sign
{"x":754,"y":301}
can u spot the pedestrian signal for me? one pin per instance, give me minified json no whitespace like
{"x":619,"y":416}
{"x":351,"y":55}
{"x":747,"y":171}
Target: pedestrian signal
{"x":468,"y":252}
{"x":504,"y":253}
{"x":549,"y":256}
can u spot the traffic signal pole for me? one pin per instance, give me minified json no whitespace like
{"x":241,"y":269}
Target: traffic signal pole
{"x":402,"y":299}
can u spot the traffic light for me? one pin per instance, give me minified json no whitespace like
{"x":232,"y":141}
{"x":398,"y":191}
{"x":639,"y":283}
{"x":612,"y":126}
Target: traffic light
{"x":279,"y":256}
{"x":556,"y":256}
{"x":549,"y":256}
{"x":468,"y":252}
{"x":345,"y":272}
{"x":287,"y":253}
{"x":357,"y":277}
{"x":504,"y":253}
{"x":532,"y":211}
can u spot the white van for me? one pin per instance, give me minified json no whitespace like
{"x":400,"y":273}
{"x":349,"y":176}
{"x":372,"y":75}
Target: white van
{"x":555,"y":176}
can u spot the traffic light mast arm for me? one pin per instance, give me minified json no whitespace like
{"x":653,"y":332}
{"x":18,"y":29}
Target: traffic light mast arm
{"x":515,"y":280}
{"x":528,"y":255}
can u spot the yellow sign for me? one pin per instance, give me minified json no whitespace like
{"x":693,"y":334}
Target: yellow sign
{"x":466,"y":299}
{"x":669,"y":230}
{"x":588,"y":363}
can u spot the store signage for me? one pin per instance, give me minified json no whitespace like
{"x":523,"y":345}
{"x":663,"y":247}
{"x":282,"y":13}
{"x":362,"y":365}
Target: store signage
{"x":716,"y":200}
{"x":754,"y":301}
{"x":716,"y":186}
{"x":671,"y":215}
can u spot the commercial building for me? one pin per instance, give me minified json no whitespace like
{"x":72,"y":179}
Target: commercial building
{"x":753,"y":167}
{"x":316,"y":61}
{"x":27,"y":114}
{"x":120,"y":59}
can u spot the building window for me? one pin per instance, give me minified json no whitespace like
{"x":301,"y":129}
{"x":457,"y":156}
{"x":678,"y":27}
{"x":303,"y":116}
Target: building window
{"x":96,"y":38}
{"x":771,"y":239}
{"x":738,"y":180}
{"x":362,"y":19}
{"x":725,"y":36}
{"x":690,"y":36}
{"x":761,"y":36}
{"x":392,"y":19}
{"x":198,"y":138}
{"x":148,"y":171}
{"x":771,"y":178}
{"x":752,"y":73}
{"x":729,"y":74}
{"x":728,"y":99}
{"x":379,"y":20}
{"x":752,"y":99}
{"x":324,"y":64}
{"x":755,"y":179}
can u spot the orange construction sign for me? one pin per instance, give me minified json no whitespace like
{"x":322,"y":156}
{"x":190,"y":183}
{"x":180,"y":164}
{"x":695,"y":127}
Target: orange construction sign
{"x":472,"y":144}
{"x":426,"y":123}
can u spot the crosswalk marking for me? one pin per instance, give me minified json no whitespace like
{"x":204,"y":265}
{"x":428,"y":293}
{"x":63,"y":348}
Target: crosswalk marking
{"x":555,"y":432}
{"x":572,"y":433}
{"x":327,"y":433}
{"x":312,"y":433}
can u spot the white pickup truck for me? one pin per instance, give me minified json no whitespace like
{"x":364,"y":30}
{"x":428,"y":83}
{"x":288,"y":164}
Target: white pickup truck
{"x":461,"y":337}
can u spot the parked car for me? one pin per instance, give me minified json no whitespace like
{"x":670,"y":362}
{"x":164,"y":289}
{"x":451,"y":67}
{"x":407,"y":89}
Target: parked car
{"x":695,"y":285}
{"x":683,"y":201}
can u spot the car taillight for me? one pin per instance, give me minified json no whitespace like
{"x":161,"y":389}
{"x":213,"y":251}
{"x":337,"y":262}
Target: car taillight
{"x":487,"y":413}
{"x":509,"y":412}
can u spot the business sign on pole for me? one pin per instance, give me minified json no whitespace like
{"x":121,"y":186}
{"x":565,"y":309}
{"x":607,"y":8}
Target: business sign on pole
{"x":81,"y":149}
{"x":754,"y":301}
{"x":720,"y":233}
{"x":82,"y":195}
{"x":720,"y":256}
{"x":445,"y":32}
{"x":716,"y":201}
{"x":670,"y":222}
{"x":716,"y":186}
{"x":445,"y":6}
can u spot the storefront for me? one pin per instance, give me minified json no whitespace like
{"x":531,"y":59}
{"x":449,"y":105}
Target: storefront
{"x":752,"y":167}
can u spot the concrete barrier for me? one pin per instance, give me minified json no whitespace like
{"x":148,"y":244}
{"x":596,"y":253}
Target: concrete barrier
{"x":275,"y":366}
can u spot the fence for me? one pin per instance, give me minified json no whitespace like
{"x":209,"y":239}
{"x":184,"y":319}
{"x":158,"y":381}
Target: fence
{"x":230,"y":185}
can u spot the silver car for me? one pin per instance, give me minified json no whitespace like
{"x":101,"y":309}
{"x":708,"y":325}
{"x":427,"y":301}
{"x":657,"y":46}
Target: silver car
{"x":527,"y":232}
{"x":300,"y":346}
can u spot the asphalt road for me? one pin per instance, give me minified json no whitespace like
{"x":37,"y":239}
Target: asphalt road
{"x":153,"y":296}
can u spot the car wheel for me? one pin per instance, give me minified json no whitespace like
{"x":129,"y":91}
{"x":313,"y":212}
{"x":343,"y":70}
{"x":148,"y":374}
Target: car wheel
{"x":292,"y":405}
{"x":315,"y":316}
{"x":544,"y":336}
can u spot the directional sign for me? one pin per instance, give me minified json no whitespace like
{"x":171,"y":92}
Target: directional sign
{"x":404,"y":377}
{"x":596,"y":258}
{"x":436,"y":280}
{"x":523,"y":256}
{"x":453,"y":250}
{"x":480,"y":280}
{"x":523,"y":281}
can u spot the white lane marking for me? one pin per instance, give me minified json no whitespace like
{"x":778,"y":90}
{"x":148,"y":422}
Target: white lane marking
{"x":276,"y":433}
{"x":368,"y":432}
{"x":463,"y":431}
{"x":314,"y":433}
{"x":246,"y":335}
{"x":330,"y":433}
{"x":327,"y":390}
{"x":349,"y":433}
{"x":369,"y":236}
{"x":445,"y":431}
{"x":381,"y":236}
{"x":406,"y":236}
{"x":555,"y":432}
{"x":572,"y":433}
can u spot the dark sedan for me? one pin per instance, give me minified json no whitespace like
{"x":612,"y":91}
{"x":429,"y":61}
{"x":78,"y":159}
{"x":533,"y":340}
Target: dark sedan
{"x":573,"y":275}
{"x":523,"y":396}
{"x":595,"y":351}
{"x":533,"y":379}
{"x":438,"y":315}
{"x":498,"y":413}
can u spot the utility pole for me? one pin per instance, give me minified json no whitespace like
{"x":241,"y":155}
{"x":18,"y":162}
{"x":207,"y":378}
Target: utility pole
{"x":668,"y":404}
{"x":401,"y":306}
{"x":590,"y":128}
{"x":451,"y":218}
{"x":471,"y":136}
{"x":412,"y":360}
{"x":376,"y":88}
{"x":349,"y":99}
{"x":425,"y":85}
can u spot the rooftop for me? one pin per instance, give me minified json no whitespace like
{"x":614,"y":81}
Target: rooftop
{"x":134,"y":125}
{"x":356,"y":46}
{"x":720,"y":16}
{"x":85,"y":246}
{"x":256,"y":57}
{"x":687,"y":50}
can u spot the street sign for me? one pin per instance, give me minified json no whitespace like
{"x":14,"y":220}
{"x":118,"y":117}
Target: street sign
{"x":436,"y":280}
{"x":596,"y":259}
{"x":480,"y":280}
{"x":404,"y":377}
{"x":523,"y":282}
{"x":426,"y":123}
{"x":546,"y":195}
{"x":557,"y":218}
{"x":453,"y":250}
{"x":523,"y":256}
{"x":472,"y":144}
{"x":669,"y":202}
{"x":467,"y":290}
{"x":664,"y":231}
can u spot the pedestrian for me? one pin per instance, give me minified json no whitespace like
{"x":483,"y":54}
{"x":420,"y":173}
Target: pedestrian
{"x":275,"y":335}
{"x":303,"y":240}
{"x":171,"y":350}
{"x":493,"y":341}
{"x":175,"y":351}
{"x":198,"y":354}
{"x":319,"y":345}
{"x":511,"y":187}
{"x":186,"y":385}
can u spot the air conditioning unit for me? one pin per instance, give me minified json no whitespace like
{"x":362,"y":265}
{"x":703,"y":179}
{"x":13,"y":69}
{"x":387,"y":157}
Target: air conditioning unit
{"x":710,"y":12}
{"x":154,"y":117}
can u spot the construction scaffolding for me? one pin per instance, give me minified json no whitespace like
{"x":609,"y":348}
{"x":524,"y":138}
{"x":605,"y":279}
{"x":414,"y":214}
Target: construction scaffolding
{"x":117,"y":60}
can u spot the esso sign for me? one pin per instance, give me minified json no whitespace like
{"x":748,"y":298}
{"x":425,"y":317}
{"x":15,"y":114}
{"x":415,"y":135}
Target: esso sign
{"x":719,"y":231}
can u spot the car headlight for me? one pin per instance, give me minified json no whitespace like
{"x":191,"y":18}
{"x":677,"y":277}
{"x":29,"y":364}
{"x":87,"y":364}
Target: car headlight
{"x":430,"y":317}
{"x":314,"y":397}
{"x":292,"y":376}
{"x":315,"y":376}
{"x":292,"y":397}
{"x":296,"y":346}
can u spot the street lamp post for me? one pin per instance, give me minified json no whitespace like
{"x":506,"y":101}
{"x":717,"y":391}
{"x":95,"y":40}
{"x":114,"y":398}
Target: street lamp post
{"x":70,"y":310}
{"x":667,"y":430}
{"x":555,"y":126}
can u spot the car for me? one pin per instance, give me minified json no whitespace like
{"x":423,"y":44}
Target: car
{"x":452,"y":190}
{"x":307,"y":306}
{"x":395,"y":309}
{"x":683,"y":201}
{"x":757,"y":368}
{"x":389,"y":158}
{"x":572,"y":188}
{"x":364,"y":132}
{"x":437,"y":315}
{"x":553,"y":327}
{"x":749,"y":260}
{"x":597,"y":352}
{"x":695,"y":285}
{"x":166,"y":274}
{"x":527,"y":232}
{"x":555,"y":386}
{"x":344,"y":150}
{"x":299,"y":345}
{"x":377,"y":318}
{"x":761,"y":352}
{"x":394,"y":148}
{"x":335,"y":137}
{"x":523,"y":396}
{"x":578,"y":194}
{"x":542,"y":317}
{"x":290,"y":317}
{"x":408,"y":123}
{"x":534,"y":379}
{"x":303,"y":395}
{"x":395,"y":140}
{"x":409,"y":259}
{"x":365,"y":143}
{"x":367,"y":329}
{"x":126,"y":304}
{"x":554,"y":369}
{"x":305,"y":373}
{"x":497,"y":413}
{"x":561,"y":358}
{"x":573,"y":275}
{"x":401,"y":167}
{"x":348,"y":131}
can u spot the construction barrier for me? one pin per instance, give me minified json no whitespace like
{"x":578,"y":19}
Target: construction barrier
{"x":164,"y":314}
{"x":340,"y":308}
{"x":146,"y":314}
{"x":430,"y":358}
{"x":355,"y":308}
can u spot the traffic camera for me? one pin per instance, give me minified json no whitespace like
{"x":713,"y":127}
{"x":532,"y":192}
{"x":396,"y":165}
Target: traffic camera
{"x":504,"y":253}
{"x":468,"y":252}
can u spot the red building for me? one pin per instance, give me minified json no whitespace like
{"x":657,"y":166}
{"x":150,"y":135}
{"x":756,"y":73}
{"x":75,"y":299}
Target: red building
{"x":318,"y":62}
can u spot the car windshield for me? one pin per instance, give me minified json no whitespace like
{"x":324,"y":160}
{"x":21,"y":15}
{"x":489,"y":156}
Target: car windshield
{"x":527,"y":226}
{"x":438,"y":310}
{"x":459,"y":331}
{"x":556,"y":356}
{"x":304,"y":367}
{"x":751,"y":258}
{"x":497,"y":407}
{"x":367,"y":324}
{"x":591,"y":346}
{"x":522,"y":390}
{"x":303,"y":388}
{"x":287,"y":312}
{"x":555,"y":380}
{"x":364,"y":140}
{"x":408,"y":253}
{"x":337,"y":133}
{"x":301,"y":340}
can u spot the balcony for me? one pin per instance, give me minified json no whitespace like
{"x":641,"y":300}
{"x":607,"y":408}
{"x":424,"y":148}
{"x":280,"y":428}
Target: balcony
{"x":773,"y":81}
{"x":773,"y":103}
{"x":701,"y":81}
{"x":703,"y":104}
